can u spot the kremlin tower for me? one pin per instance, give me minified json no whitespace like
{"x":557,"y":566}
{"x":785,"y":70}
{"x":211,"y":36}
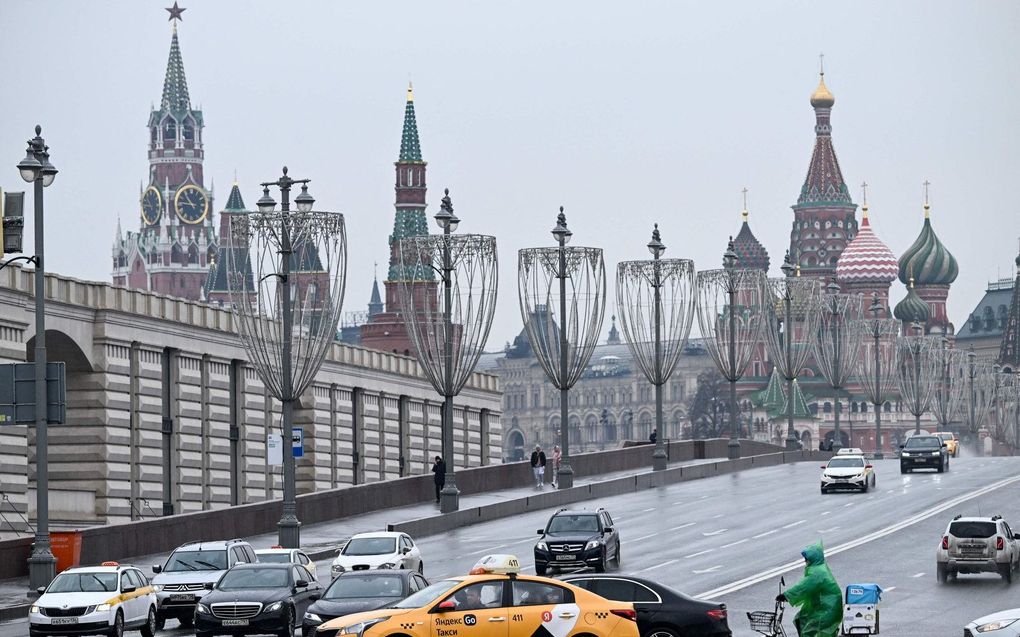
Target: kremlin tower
{"x":930,"y":269}
{"x":176,"y":241}
{"x":824,"y":216}
{"x":386,"y":330}
{"x":867,"y":265}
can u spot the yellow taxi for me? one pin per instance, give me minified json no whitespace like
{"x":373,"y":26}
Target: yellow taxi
{"x":952,"y":442}
{"x":494,"y":600}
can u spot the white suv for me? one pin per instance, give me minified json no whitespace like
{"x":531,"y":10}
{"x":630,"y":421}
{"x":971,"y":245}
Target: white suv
{"x":978,"y":545}
{"x":181,"y":582}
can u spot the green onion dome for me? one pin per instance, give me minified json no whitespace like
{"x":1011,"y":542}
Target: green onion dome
{"x":912,"y":307}
{"x":928,"y":260}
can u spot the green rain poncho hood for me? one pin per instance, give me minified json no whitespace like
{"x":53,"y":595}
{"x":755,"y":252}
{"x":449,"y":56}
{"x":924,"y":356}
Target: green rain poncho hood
{"x":818,"y":595}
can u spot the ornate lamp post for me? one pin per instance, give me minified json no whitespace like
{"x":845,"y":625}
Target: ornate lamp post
{"x":37,"y":170}
{"x":572,"y":279}
{"x":670,"y":285}
{"x":449,"y":325}
{"x":916,"y":371}
{"x":877,"y":362}
{"x":978,"y":397}
{"x":948,"y":388}
{"x":286,"y":277}
{"x":838,"y":345}
{"x":731,"y":316}
{"x":791,"y":326}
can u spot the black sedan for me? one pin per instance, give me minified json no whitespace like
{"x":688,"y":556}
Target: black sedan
{"x":661,"y":611}
{"x":359,"y":591}
{"x":257,"y":599}
{"x":924,"y":452}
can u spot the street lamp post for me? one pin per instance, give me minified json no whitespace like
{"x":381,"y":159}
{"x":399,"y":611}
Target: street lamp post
{"x":838,"y":344}
{"x":578,"y":293}
{"x":916,"y":371}
{"x":878,"y":360}
{"x":672,"y":287}
{"x":790,"y":334}
{"x":36,"y":169}
{"x":285,"y":341}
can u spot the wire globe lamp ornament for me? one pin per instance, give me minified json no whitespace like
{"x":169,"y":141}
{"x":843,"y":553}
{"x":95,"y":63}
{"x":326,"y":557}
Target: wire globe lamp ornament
{"x":731,"y":316}
{"x":949,"y":385}
{"x":876,"y":365}
{"x":562,"y":299}
{"x":656,"y":300}
{"x":448,"y":302}
{"x":916,"y":371}
{"x":837,"y":346}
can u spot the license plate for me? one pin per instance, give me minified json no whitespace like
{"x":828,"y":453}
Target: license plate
{"x":63,"y":621}
{"x":565,"y":558}
{"x":235,"y":622}
{"x":182,"y":597}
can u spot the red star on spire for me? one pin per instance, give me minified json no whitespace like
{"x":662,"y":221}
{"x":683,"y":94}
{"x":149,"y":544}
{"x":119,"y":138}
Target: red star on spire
{"x":175,"y":12}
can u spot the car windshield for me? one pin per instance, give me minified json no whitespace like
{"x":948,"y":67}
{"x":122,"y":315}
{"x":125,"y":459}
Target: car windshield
{"x":197,"y":561}
{"x":244,"y":578}
{"x":923,"y":442}
{"x":371,"y":546}
{"x":349,"y":586}
{"x":274,"y":558}
{"x":974,"y":529}
{"x":84,"y":583}
{"x":571,"y":523}
{"x":846,"y":462}
{"x":946,"y":436}
{"x":427,"y":595}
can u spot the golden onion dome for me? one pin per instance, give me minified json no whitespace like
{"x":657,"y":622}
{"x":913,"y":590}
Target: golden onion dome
{"x":822,"y":97}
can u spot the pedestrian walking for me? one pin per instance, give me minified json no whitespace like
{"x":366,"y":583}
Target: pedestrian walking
{"x":557,"y":458}
{"x":439,"y":469}
{"x":655,"y":436}
{"x":538,"y":466}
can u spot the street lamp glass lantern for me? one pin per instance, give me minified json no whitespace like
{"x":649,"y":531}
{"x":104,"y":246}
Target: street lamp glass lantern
{"x":266,"y":203}
{"x":49,"y":171}
{"x":304,"y":201}
{"x":443,"y":218}
{"x":29,"y":167}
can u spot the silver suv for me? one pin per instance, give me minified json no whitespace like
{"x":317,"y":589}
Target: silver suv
{"x":181,"y":582}
{"x":978,"y":545}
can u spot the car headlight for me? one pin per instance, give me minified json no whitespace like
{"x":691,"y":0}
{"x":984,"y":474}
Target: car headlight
{"x":312,"y":617}
{"x":157,"y":588}
{"x":202,"y":609}
{"x":387,"y":565}
{"x":592,"y":544}
{"x":272,"y":608}
{"x":33,"y":609}
{"x":360,"y":627}
{"x":102,"y":608}
{"x":935,"y":453}
{"x":996,"y":625}
{"x":338,"y":568}
{"x":542,"y":546}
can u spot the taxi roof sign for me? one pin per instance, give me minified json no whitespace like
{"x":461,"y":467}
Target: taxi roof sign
{"x":850,"y":451}
{"x":110,"y":564}
{"x":497,"y":563}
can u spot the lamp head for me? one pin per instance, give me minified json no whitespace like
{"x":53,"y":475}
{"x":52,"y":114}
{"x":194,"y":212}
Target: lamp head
{"x":561,"y":233}
{"x":730,"y":258}
{"x":788,"y":268}
{"x":445,"y":217}
{"x":655,"y":246}
{"x":876,"y":305}
{"x":304,"y":200}
{"x":266,"y":203}
{"x":832,"y":287}
{"x":48,"y":171}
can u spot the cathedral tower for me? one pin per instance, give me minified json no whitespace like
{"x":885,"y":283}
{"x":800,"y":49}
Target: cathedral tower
{"x":867,"y":265}
{"x":176,"y":241}
{"x":824,"y":221}
{"x":932,"y":269}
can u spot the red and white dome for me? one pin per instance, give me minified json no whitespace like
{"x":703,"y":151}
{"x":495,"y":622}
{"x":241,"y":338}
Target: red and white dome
{"x":867,"y":259}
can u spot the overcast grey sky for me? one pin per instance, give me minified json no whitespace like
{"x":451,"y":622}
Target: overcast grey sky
{"x":626,"y":113}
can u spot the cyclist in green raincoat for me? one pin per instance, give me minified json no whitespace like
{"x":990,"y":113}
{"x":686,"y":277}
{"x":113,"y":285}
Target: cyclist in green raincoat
{"x":818,"y":595}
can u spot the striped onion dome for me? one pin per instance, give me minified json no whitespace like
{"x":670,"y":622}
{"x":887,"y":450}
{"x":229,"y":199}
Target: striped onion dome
{"x":912,"y":307}
{"x":927,"y":259}
{"x":866,"y":259}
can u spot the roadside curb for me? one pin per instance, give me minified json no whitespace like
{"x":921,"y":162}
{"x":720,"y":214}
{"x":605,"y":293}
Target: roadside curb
{"x":9,"y":613}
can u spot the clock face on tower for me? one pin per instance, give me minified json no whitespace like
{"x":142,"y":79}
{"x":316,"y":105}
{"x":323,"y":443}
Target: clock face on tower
{"x":191,"y":204}
{"x":152,"y":206}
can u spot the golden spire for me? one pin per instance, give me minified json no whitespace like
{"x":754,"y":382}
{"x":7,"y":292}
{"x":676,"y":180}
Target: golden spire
{"x":822,"y":97}
{"x":744,"y":213}
{"x":410,"y":91}
{"x":927,"y":206}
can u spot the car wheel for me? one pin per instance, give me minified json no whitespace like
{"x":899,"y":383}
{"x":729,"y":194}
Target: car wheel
{"x":187,"y":621}
{"x":118,"y":626}
{"x":1006,"y":573}
{"x":539,"y":569}
{"x":865,"y":488}
{"x":903,"y":469}
{"x":941,"y":573}
{"x":660,"y":631}
{"x":421,"y":568}
{"x":160,"y":622}
{"x":824,"y":491}
{"x":601,"y":566}
{"x":618,"y":562}
{"x":149,"y":629}
{"x":288,"y":623}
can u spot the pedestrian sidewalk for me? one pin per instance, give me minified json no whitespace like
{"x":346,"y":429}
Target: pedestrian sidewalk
{"x":322,"y":540}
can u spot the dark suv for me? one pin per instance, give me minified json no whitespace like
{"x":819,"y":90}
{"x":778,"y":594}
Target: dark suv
{"x":924,"y":452}
{"x":577,"y":538}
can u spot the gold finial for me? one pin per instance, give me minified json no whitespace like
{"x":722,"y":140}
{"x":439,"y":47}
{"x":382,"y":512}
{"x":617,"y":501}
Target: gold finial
{"x":798,"y":269}
{"x":927,"y":206}
{"x":744,"y":212}
{"x":410,"y":91}
{"x":822,"y":97}
{"x":864,"y":203}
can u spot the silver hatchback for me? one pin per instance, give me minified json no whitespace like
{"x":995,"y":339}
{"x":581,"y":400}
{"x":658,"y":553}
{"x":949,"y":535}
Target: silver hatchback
{"x":978,"y":545}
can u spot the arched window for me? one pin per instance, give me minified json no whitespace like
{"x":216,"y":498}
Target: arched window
{"x":827,"y":408}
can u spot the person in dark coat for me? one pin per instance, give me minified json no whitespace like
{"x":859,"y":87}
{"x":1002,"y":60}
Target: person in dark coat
{"x":439,"y":469}
{"x":655,"y":436}
{"x":538,"y":466}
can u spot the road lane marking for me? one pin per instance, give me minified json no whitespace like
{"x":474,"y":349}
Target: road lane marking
{"x":676,"y":504}
{"x":708,"y":570}
{"x":828,"y":530}
{"x":826,"y":512}
{"x":889,"y":590}
{"x":716,"y":517}
{"x":687,"y":557}
{"x":755,"y":537}
{"x":652,"y":568}
{"x":848,"y":504}
{"x":846,"y":546}
{"x":647,"y":510}
{"x":643,"y":537}
{"x":793,"y":524}
{"x":918,"y":575}
{"x":682,"y":526}
{"x":726,"y":546}
{"x":712,"y":533}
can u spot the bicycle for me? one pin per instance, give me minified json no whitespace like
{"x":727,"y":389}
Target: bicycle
{"x":769,"y":623}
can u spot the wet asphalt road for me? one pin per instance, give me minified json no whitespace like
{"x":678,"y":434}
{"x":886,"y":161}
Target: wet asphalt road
{"x":731,"y":537}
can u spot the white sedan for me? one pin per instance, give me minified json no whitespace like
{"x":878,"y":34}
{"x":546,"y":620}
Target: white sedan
{"x":378,"y":550}
{"x":280,"y":555}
